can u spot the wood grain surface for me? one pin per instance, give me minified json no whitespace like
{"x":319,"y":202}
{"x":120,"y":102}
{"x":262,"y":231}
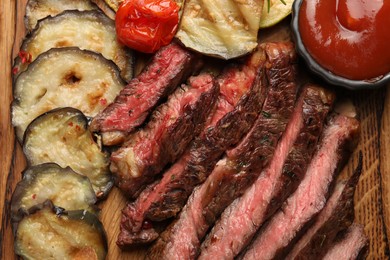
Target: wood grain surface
{"x":372,"y":198}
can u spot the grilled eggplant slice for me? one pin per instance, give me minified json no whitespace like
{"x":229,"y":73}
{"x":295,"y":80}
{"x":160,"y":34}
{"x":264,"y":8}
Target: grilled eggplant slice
{"x":49,"y":232}
{"x":64,"y":77}
{"x":39,"y":9}
{"x":220,"y":28}
{"x":62,"y":136}
{"x":48,"y":181}
{"x":88,"y":30}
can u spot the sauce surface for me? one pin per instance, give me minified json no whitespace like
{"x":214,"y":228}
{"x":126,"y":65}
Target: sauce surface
{"x":350,"y":38}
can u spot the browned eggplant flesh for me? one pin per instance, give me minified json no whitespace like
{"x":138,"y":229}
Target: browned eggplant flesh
{"x":49,"y":232}
{"x":62,"y":136}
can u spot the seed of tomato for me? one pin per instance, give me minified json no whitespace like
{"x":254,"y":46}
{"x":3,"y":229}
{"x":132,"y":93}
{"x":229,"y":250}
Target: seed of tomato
{"x":147,"y":25}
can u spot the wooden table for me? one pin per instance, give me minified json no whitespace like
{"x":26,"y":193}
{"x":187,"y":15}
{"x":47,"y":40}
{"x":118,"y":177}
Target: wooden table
{"x":372,"y":198}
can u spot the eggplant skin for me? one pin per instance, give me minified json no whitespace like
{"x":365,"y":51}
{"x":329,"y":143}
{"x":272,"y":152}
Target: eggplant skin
{"x":62,"y":136}
{"x":220,"y":28}
{"x":49,"y":232}
{"x":39,"y":9}
{"x":88,"y":30}
{"x":48,"y":181}
{"x":64,"y":77}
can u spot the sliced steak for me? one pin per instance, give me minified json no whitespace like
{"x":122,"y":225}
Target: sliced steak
{"x":335,"y":218}
{"x":244,"y":216}
{"x":241,"y":97}
{"x":275,"y":238}
{"x":353,"y":245}
{"x":182,"y":239}
{"x":169,"y":67}
{"x":172,"y":126}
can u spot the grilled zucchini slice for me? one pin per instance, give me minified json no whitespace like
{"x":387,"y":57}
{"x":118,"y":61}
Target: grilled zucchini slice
{"x":114,"y":4}
{"x":88,"y":30}
{"x":48,"y":181}
{"x":62,"y":136}
{"x":220,"y":28}
{"x":64,"y":77}
{"x":49,"y":232}
{"x":275,"y":12}
{"x":39,"y":9}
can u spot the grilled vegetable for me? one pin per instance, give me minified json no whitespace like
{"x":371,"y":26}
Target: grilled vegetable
{"x":114,"y":4}
{"x":88,"y":30}
{"x":64,"y":77}
{"x":39,"y":9}
{"x":62,"y":136}
{"x":49,"y":181}
{"x":49,"y":232}
{"x":223,"y":28}
{"x":147,"y":25}
{"x":274,"y":11}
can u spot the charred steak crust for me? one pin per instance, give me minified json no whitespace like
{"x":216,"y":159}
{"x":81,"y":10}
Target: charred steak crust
{"x":317,"y":105}
{"x":202,"y":209}
{"x":170,"y":66}
{"x":341,"y":218}
{"x":237,"y":108}
{"x":173,"y":125}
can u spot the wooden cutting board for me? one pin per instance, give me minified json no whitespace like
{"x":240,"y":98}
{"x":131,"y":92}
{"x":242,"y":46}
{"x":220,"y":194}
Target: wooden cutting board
{"x":372,"y":198}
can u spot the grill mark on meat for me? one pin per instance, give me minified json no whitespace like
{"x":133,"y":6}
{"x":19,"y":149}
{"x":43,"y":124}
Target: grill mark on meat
{"x":277,"y":236}
{"x":244,"y":216}
{"x":169,"y":67}
{"x":231,"y":118}
{"x":353,"y":245}
{"x":334,"y":219}
{"x":183,"y":237}
{"x":173,"y":125}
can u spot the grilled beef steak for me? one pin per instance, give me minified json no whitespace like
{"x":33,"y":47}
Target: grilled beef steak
{"x":172,"y":126}
{"x":241,"y":96}
{"x":352,"y":246}
{"x":182,"y":239}
{"x":335,"y":218}
{"x":169,"y":67}
{"x":278,"y":234}
{"x":303,"y":129}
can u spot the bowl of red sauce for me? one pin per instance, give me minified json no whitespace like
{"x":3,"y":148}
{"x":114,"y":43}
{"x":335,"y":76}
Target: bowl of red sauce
{"x":346,"y":42}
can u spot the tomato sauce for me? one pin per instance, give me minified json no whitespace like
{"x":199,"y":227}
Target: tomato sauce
{"x":350,"y":38}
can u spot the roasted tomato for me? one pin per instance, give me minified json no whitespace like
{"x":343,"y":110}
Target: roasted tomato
{"x":146,"y":25}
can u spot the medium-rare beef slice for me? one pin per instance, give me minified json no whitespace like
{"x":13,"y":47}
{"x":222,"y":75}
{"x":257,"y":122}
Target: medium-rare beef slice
{"x":244,"y":216}
{"x":318,"y":105}
{"x":353,"y":245}
{"x":277,"y":236}
{"x":335,"y":218}
{"x":183,"y":237}
{"x":170,"y":66}
{"x":241,"y":96}
{"x":172,"y":126}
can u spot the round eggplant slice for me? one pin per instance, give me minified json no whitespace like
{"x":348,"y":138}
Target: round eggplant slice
{"x":39,"y":9}
{"x":62,"y":136}
{"x":47,"y":232}
{"x":224,"y":29}
{"x":48,"y":181}
{"x":88,"y":30}
{"x":64,"y":77}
